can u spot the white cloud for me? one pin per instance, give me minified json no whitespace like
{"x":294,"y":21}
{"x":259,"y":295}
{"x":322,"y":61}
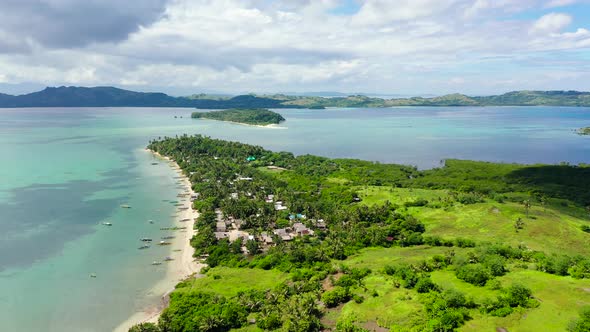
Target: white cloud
{"x":551,"y":23}
{"x":560,"y":3}
{"x":261,"y":45}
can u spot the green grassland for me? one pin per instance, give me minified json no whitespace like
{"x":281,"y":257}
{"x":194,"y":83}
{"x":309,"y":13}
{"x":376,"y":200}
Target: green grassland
{"x":548,"y":228}
{"x":230,"y":281}
{"x":397,"y":308}
{"x":560,"y":301}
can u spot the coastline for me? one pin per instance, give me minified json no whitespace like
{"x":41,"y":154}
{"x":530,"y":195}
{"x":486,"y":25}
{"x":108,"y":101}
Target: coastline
{"x":269,"y":126}
{"x":183,"y":265}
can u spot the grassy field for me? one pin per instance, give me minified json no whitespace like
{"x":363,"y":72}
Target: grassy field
{"x":392,"y":306}
{"x":397,"y":308}
{"x":229,"y":281}
{"x":561,"y":299}
{"x":549,"y":229}
{"x":376,"y":258}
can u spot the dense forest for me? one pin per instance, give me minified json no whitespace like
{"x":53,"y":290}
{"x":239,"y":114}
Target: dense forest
{"x":306,"y":243}
{"x":260,"y":117}
{"x":114,"y":97}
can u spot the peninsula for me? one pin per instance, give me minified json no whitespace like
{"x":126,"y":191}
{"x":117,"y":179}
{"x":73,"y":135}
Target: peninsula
{"x":255,"y":117}
{"x":307,"y":243}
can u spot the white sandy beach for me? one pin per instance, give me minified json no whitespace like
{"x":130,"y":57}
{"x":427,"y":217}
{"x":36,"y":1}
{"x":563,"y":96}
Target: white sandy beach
{"x":183,"y":265}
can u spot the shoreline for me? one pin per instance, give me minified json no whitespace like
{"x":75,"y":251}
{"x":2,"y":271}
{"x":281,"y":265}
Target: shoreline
{"x":183,"y":265}
{"x":268,"y":126}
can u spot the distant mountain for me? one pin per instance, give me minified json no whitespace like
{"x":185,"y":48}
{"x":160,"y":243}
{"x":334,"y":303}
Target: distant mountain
{"x":114,"y":97}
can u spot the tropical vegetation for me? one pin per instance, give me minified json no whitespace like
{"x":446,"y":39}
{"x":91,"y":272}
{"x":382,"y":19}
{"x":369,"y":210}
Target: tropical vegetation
{"x":352,"y":245}
{"x":261,"y":117}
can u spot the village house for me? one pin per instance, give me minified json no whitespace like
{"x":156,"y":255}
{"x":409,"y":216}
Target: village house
{"x":301,"y":230}
{"x":283,"y":234}
{"x":221,"y":226}
{"x":221,"y":235}
{"x":321,"y":224}
{"x":279,"y":206}
{"x":265,"y":238}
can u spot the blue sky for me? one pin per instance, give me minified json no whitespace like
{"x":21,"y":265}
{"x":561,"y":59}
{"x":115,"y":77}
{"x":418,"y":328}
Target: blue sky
{"x":408,"y":47}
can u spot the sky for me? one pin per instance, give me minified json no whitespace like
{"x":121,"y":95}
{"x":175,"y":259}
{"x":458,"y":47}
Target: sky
{"x":395,"y":47}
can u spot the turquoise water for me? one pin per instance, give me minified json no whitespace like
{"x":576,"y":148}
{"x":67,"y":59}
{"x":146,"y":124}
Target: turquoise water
{"x":64,"y":171}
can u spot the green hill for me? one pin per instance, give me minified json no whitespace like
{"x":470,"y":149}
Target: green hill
{"x":114,"y":97}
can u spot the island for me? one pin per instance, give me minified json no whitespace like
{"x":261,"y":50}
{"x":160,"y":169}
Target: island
{"x":584,"y":131}
{"x":309,"y":243}
{"x":254,"y":116}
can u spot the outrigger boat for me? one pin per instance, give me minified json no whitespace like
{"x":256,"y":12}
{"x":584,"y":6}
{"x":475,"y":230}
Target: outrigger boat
{"x":156,"y":263}
{"x":168,"y":258}
{"x":143,"y":247}
{"x":146,"y":239}
{"x":107,"y":223}
{"x":125,"y":206}
{"x":167,"y":237}
{"x":164,"y":243}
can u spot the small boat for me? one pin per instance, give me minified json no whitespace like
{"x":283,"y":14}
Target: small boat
{"x":168,"y":258}
{"x":156,"y":263}
{"x":107,"y":223}
{"x":145,"y":239}
{"x":164,"y":243}
{"x":154,"y":163}
{"x":143,"y":247}
{"x":151,"y":221}
{"x":92,"y":275}
{"x":167,"y":237}
{"x":125,"y":206}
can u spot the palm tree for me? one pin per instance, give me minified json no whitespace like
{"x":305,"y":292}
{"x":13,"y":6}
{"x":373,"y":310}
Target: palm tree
{"x":527,"y":206}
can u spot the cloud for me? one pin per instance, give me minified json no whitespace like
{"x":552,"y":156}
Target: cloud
{"x":551,"y":23}
{"x":560,"y":3}
{"x":73,"y":23}
{"x":281,"y":45}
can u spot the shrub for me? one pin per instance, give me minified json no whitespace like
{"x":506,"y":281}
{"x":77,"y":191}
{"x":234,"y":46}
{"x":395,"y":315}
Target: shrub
{"x":501,"y":312}
{"x":336,"y":296}
{"x":454,"y":298}
{"x":270,"y":321}
{"x":581,"y":270}
{"x":475,"y":274}
{"x":389,"y":269}
{"x":347,"y":325}
{"x":418,"y":202}
{"x":583,"y":323}
{"x":464,"y":243}
{"x":425,"y":285}
{"x":358,"y":298}
{"x":518,"y":296}
{"x":495,"y":263}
